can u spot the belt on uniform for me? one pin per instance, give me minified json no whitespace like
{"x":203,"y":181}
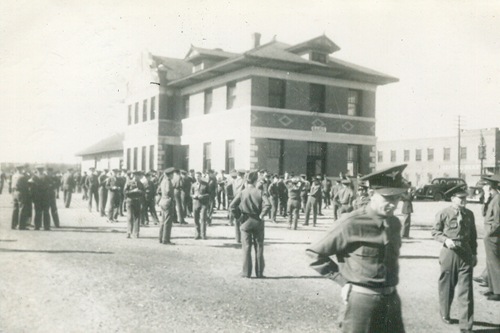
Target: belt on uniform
{"x":373,"y":291}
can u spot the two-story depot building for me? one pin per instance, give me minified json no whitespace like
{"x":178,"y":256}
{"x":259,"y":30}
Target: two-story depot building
{"x":284,"y":108}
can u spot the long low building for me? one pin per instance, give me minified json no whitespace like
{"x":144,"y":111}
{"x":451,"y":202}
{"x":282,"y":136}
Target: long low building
{"x":104,"y":154}
{"x":429,"y":158}
{"x":285,"y":108}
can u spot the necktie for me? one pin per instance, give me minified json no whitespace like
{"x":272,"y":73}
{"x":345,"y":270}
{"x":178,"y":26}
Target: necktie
{"x":459,"y":217}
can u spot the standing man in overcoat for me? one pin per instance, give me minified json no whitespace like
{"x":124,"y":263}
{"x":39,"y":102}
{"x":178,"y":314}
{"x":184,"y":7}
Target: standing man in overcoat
{"x":68,"y":185}
{"x":134,"y":193}
{"x":200,"y":194}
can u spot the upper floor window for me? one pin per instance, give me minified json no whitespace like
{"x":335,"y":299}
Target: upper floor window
{"x":406,"y":155}
{"x":208,"y":101}
{"x":393,"y":156}
{"x":430,"y":154}
{"x":153,"y":108}
{"x":230,"y":95}
{"x":317,"y":98}
{"x":145,"y":110}
{"x":446,"y":154}
{"x":319,"y":57}
{"x":380,"y":156}
{"x":463,"y":153}
{"x":277,"y":91}
{"x":130,"y":114}
{"x":418,"y":154}
{"x":136,"y":113}
{"x":353,"y":102}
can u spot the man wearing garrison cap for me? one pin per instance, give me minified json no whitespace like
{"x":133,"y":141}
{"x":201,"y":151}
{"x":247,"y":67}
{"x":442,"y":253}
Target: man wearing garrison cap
{"x":492,"y":236}
{"x":455,"y":228}
{"x":167,"y":205}
{"x":367,"y":242}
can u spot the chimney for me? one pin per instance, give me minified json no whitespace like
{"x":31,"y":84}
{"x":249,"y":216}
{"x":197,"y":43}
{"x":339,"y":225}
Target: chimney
{"x":256,"y":39}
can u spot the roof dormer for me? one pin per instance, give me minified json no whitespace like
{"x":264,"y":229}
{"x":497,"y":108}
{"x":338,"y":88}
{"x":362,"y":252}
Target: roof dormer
{"x":316,"y":49}
{"x":204,"y":58}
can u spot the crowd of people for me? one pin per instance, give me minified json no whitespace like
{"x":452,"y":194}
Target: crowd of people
{"x":365,"y":239}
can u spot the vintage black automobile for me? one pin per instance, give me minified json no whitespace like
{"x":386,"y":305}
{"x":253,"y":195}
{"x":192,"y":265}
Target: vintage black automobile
{"x":441,"y":189}
{"x":476,"y":193}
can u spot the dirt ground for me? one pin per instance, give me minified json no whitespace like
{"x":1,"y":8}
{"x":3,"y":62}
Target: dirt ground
{"x":88,"y":277}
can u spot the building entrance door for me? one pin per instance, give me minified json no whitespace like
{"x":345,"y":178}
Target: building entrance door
{"x":315,"y":166}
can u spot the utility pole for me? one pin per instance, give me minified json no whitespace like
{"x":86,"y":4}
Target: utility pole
{"x":459,"y":147}
{"x":482,"y":152}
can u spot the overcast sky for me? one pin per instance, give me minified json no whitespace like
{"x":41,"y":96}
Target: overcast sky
{"x":64,"y":64}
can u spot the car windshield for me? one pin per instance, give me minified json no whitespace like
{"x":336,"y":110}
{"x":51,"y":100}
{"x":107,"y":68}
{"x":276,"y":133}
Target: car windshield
{"x":436,"y":181}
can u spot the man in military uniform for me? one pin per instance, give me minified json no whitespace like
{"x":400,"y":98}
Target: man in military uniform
{"x":212,"y":190}
{"x":313,"y":201}
{"x":200,"y":194}
{"x":83,"y":183}
{"x":295,"y":188}
{"x":344,"y":198}
{"x":492,"y":237}
{"x":103,"y":192}
{"x":149,"y":199}
{"x":283,"y":196}
{"x":121,"y":180}
{"x":407,"y":210}
{"x":134,"y":192}
{"x":306,"y":187}
{"x":335,"y":189}
{"x":92,"y":184}
{"x":221,"y":190}
{"x":229,"y":189}
{"x":368,"y":243}
{"x":362,"y":197}
{"x":326,"y":187}
{"x":273,"y":191}
{"x":167,"y":205}
{"x":68,"y":185}
{"x":455,"y":228}
{"x":21,"y":199}
{"x":55,"y":184}
{"x":238,"y":186}
{"x":186,"y":203}
{"x":42,"y":192}
{"x":178,"y":185}
{"x":113,"y":200}
{"x":252,"y":204}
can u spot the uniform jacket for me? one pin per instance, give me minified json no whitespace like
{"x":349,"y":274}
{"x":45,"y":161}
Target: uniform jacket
{"x":315,"y":191}
{"x":273,"y":190}
{"x":92,"y":181}
{"x":294,"y":190}
{"x":166,"y":190}
{"x":407,"y":199}
{"x":134,"y":190}
{"x":69,"y":182}
{"x":448,"y":224}
{"x":344,"y":196}
{"x":200,"y":193}
{"x":492,"y":217}
{"x":367,"y":243}
{"x":251,"y":202}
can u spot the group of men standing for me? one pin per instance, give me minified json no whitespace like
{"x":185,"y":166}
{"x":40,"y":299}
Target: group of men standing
{"x":38,"y":190}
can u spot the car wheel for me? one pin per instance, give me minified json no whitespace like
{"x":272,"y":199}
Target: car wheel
{"x":438,"y":197}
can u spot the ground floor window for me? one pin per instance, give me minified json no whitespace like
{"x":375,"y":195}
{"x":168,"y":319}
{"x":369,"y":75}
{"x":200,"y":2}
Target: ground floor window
{"x":207,"y":156}
{"x":353,"y":159}
{"x":275,"y":156}
{"x":316,"y":159}
{"x":229,"y":155}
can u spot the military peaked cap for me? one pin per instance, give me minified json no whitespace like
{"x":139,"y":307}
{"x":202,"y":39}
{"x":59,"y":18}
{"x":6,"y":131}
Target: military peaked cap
{"x":387,"y":182}
{"x":169,"y":170}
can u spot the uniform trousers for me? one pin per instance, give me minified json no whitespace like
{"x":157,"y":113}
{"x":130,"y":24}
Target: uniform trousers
{"x":178,"y":206}
{"x":312,"y":204}
{"x":42,"y":213}
{"x":283,"y":206}
{"x":335,"y":210}
{"x":210,"y":208}
{"x":133,"y":216}
{"x":274,"y":207}
{"x":492,"y":249}
{"x":85,"y":195}
{"x":252,"y":232}
{"x":186,"y":204}
{"x":366,"y":313}
{"x":93,"y":194}
{"x":67,"y":197}
{"x":327,"y":199}
{"x":456,"y":272}
{"x":53,"y":210}
{"x":200,"y":219}
{"x":221,"y":198}
{"x":293,"y":212}
{"x":21,"y":212}
{"x":103,"y":197}
{"x":229,"y":214}
{"x":112,"y":206}
{"x":166,"y":224}
{"x":406,"y":223}
{"x":150,"y":207}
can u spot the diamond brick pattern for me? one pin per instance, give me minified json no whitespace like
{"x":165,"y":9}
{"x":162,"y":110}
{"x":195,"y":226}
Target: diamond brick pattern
{"x":254,"y":118}
{"x":318,"y":122}
{"x":347,"y":126}
{"x":285,"y":120}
